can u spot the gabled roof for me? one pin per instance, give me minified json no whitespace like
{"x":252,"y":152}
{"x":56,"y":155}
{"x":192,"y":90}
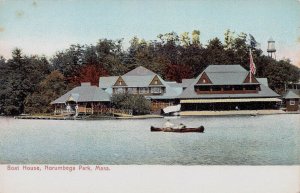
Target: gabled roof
{"x":139,"y":71}
{"x":138,"y":81}
{"x":290,"y":94}
{"x":190,"y":93}
{"x":186,"y":82}
{"x":106,"y":82}
{"x":263,"y":81}
{"x":142,"y":77}
{"x":84,"y":93}
{"x":226,"y":74}
{"x":173,"y":84}
{"x":225,"y":68}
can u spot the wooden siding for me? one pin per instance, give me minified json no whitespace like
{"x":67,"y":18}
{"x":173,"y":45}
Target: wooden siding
{"x":229,"y":90}
{"x":120,"y":80}
{"x":290,"y":107}
{"x":155,"y":81}
{"x":204,"y":79}
{"x":158,"y":105}
{"x":247,"y":80}
{"x":226,"y":92}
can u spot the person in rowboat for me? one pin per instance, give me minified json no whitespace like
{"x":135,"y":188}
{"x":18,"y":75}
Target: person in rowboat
{"x":168,"y":125}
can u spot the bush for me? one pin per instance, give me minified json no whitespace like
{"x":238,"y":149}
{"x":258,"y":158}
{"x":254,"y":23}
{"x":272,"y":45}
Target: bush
{"x":137,"y":103}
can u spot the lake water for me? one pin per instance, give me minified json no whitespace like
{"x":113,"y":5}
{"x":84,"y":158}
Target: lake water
{"x":234,"y":140}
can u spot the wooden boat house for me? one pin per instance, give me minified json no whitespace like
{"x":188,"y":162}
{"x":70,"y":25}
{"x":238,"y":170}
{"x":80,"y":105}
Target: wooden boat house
{"x":228,"y":87}
{"x":143,"y":82}
{"x":217,"y":88}
{"x":84,"y":99}
{"x":291,"y":100}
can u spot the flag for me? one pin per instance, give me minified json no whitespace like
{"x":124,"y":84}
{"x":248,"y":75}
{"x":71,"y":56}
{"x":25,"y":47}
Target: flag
{"x":252,"y":65}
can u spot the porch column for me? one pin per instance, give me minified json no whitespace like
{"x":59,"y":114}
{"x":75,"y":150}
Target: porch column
{"x":92,"y":108}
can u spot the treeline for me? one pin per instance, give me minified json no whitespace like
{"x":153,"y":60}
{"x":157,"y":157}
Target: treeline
{"x":29,"y":83}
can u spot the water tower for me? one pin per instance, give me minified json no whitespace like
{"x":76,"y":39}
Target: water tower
{"x":271,"y":48}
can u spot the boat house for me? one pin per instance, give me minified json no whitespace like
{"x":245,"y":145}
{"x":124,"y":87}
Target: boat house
{"x":84,"y":99}
{"x":228,"y":87}
{"x":291,"y":100}
{"x":143,"y":82}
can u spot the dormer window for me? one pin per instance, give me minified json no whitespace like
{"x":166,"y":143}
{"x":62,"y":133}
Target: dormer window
{"x":120,"y":82}
{"x":155,"y":82}
{"x":204,"y":81}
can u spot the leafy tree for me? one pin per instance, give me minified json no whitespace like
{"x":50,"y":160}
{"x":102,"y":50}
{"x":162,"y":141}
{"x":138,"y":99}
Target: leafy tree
{"x":137,"y":103}
{"x":215,"y":53}
{"x":52,"y":87}
{"x":196,"y":37}
{"x":89,"y":73}
{"x":69,"y":61}
{"x":185,"y":39}
{"x":20,"y":78}
{"x":178,"y":72}
{"x":281,"y":73}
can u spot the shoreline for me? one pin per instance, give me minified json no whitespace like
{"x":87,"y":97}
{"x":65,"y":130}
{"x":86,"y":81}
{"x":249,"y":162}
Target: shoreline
{"x":236,"y":112}
{"x":151,"y":116}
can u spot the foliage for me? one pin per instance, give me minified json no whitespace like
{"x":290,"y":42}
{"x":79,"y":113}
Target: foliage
{"x":69,"y":61}
{"x":89,"y":73}
{"x":52,"y":87}
{"x":20,"y":77}
{"x":172,"y":56}
{"x":137,"y":103}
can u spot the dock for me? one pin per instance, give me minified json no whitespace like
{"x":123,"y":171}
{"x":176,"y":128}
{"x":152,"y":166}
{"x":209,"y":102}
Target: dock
{"x":63,"y":118}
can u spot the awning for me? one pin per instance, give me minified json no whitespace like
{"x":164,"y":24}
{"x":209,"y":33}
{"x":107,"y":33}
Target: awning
{"x":238,"y":100}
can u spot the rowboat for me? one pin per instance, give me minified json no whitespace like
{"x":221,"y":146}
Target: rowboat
{"x":182,"y":130}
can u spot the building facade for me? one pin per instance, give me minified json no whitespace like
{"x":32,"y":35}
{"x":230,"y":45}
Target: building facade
{"x":291,"y":98}
{"x":228,"y":87}
{"x":84,"y":99}
{"x":217,"y":88}
{"x":144,"y":82}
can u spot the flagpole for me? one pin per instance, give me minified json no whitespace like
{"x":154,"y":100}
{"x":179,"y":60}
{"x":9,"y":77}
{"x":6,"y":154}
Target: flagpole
{"x":250,"y":65}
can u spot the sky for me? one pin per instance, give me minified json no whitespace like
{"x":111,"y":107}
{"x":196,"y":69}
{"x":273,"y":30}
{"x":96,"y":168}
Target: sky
{"x":45,"y":27}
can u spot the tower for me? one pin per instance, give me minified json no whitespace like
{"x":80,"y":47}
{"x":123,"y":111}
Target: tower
{"x":271,"y":48}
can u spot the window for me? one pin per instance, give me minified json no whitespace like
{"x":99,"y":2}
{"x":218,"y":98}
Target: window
{"x":204,"y":81}
{"x":292,"y":102}
{"x":204,"y":88}
{"x":251,"y":87}
{"x":120,"y":82}
{"x":156,"y":90}
{"x":227,"y":87}
{"x":238,"y":87}
{"x":132,"y":90}
{"x":155,"y":82}
{"x":119,"y":90}
{"x":216,"y":88}
{"x":144,"y":90}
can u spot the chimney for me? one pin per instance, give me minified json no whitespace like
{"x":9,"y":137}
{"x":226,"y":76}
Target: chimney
{"x":85,"y":84}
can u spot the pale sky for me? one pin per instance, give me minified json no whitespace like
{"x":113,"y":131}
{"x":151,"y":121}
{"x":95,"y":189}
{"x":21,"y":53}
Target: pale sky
{"x":45,"y":27}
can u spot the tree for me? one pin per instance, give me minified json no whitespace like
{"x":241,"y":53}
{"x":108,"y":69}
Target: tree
{"x":215,"y":53}
{"x":89,"y":73}
{"x":178,"y":72}
{"x":20,"y":78}
{"x":137,"y":103}
{"x":196,"y":37}
{"x":69,"y":61}
{"x":52,"y":87}
{"x":280,"y":73}
{"x":185,"y":39}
